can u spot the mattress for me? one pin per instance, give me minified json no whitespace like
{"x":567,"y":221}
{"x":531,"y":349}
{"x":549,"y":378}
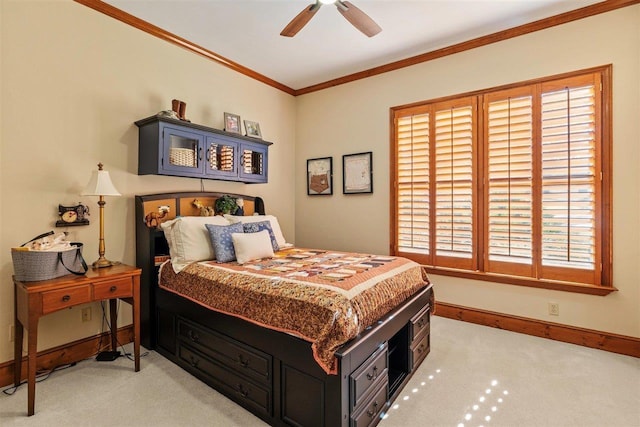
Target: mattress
{"x":324,"y":297}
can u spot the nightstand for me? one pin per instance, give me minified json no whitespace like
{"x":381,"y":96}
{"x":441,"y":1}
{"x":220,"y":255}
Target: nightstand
{"x":36,"y":299}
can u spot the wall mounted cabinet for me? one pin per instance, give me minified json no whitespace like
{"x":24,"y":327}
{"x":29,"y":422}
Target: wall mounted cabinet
{"x":178,"y":148}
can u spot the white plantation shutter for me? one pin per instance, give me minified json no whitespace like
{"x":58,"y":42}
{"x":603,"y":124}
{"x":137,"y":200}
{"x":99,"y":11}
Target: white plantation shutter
{"x":454,"y":182}
{"x":413,"y":235}
{"x":509,"y":177}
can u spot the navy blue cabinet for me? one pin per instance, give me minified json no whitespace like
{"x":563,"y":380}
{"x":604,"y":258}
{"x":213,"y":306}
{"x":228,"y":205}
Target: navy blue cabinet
{"x":174,"y":147}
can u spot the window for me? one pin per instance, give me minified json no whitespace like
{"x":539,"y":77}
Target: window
{"x":509,"y":184}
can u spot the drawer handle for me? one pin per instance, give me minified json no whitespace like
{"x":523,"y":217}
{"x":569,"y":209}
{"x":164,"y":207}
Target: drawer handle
{"x":113,"y":288}
{"x":194,"y":336}
{"x":420,"y":348}
{"x":375,"y":409}
{"x":420,"y":322}
{"x":373,"y":375}
{"x":242,"y":361}
{"x":194,"y":362}
{"x":244,"y":393}
{"x":66,"y":298}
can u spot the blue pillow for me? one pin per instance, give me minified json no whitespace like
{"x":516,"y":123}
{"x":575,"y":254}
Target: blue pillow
{"x":254,"y":227}
{"x":221,"y":240}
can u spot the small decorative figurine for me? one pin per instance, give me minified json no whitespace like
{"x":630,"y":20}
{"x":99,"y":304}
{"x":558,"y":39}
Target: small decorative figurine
{"x":72,"y":215}
{"x":153,"y":219}
{"x":180,"y":107}
{"x":204,"y":210}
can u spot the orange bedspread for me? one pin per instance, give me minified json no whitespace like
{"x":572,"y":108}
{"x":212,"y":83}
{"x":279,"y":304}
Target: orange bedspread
{"x":324,"y":297}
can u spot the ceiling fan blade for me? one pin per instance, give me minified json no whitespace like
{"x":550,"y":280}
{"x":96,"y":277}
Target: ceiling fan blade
{"x":300,"y":20}
{"x":358,"y":18}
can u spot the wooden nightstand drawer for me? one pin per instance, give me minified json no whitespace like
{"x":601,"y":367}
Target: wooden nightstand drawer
{"x":113,"y":289}
{"x":55,"y":300}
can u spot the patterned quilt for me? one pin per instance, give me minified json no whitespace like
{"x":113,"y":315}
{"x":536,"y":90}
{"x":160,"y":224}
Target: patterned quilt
{"x":324,"y":297}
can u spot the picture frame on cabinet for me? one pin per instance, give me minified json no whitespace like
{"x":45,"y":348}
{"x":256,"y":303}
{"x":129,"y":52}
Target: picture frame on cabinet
{"x":357,"y":173}
{"x":320,"y":176}
{"x":232,"y":123}
{"x":252,"y":129}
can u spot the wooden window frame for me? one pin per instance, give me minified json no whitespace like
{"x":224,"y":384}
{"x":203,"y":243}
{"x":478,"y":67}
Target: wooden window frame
{"x":603,"y":283}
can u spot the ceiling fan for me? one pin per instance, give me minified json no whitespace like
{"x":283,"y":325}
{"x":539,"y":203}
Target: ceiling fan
{"x":358,"y":18}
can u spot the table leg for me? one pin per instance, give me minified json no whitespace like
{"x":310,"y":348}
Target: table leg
{"x":17,"y":352}
{"x":32,"y":356}
{"x":113,"y":321}
{"x":135,"y":307}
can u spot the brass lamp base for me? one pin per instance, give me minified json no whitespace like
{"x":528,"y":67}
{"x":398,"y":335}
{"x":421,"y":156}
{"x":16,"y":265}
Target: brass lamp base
{"x":103,"y":262}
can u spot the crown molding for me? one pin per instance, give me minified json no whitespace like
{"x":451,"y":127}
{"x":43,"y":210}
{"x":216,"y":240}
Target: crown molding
{"x":563,"y":18}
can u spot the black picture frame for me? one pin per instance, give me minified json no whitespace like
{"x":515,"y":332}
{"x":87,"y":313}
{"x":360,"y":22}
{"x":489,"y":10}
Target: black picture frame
{"x":320,"y":176}
{"x":357,"y":173}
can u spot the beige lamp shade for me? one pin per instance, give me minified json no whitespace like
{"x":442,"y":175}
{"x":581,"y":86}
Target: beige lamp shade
{"x":100,"y":184}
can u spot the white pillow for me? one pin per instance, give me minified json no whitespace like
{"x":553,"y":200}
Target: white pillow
{"x":250,"y":246}
{"x":189,"y":240}
{"x":275,"y":226}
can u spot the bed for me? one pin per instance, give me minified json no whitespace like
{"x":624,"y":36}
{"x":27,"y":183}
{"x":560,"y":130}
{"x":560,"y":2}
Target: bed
{"x":343,"y":334}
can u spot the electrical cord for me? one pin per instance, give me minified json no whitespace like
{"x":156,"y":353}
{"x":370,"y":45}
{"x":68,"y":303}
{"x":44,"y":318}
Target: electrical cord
{"x":44,"y":375}
{"x":41,"y":376}
{"x":107,"y":322}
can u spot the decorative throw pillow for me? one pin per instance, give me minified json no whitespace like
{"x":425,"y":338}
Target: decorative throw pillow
{"x":254,"y":227}
{"x":189,"y":240}
{"x":275,"y":225}
{"x":222,"y":242}
{"x":250,"y":246}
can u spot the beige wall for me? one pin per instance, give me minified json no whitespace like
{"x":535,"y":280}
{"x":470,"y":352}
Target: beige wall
{"x":73,"y":82}
{"x":355,"y":117}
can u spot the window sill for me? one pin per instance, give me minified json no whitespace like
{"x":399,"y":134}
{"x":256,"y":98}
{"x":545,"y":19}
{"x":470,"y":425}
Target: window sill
{"x":520,"y":281}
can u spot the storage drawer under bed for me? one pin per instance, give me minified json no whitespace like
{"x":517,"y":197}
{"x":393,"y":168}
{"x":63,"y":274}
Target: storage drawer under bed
{"x":226,"y":380}
{"x":237,"y":356}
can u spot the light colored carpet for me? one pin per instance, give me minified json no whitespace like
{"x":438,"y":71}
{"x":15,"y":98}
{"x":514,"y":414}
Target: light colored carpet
{"x":472,"y":373}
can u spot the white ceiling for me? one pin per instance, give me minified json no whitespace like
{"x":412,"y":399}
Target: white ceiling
{"x":248,"y":31}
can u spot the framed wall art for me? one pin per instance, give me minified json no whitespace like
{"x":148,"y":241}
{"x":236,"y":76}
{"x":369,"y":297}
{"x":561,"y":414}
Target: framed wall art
{"x":232,"y":123}
{"x":320,"y":176}
{"x":357,"y":173}
{"x":252,"y":129}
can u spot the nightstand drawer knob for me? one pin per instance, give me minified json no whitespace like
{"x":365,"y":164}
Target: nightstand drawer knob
{"x":113,"y":288}
{"x":66,"y":298}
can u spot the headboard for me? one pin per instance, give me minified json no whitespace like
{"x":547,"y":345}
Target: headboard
{"x":181,"y":204}
{"x":151,"y":246}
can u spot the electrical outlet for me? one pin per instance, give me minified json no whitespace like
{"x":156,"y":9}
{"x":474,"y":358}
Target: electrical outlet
{"x":554,"y":309}
{"x":12,"y":333}
{"x":86,"y":314}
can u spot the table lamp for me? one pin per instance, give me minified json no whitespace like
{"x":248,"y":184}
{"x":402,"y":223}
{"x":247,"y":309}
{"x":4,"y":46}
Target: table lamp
{"x":100,"y":185}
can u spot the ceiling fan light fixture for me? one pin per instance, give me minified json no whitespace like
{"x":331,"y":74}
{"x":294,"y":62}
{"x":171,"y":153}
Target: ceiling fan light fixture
{"x":355,"y":16}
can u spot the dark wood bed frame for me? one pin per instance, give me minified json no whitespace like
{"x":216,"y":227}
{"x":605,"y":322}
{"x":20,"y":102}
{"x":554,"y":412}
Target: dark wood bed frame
{"x":273,"y":374}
